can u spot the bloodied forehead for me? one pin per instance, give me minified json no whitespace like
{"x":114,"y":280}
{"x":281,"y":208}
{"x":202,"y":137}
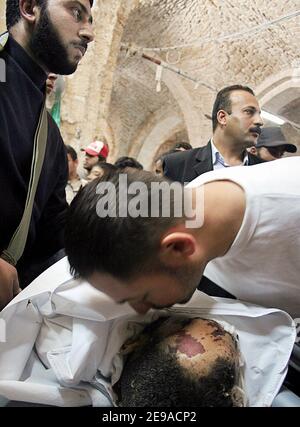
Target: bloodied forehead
{"x":197,"y":343}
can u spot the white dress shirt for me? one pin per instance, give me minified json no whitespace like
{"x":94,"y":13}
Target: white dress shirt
{"x":218,"y":160}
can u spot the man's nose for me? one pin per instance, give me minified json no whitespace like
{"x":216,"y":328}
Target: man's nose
{"x":87,"y":33}
{"x":258,"y":120}
{"x":140,"y":307}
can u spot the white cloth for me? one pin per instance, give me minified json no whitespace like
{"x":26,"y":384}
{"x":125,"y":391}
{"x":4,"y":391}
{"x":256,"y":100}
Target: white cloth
{"x":60,"y":338}
{"x":73,"y":187}
{"x":263,"y":264}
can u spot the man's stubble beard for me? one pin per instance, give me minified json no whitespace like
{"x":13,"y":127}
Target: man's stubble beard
{"x":47,"y":48}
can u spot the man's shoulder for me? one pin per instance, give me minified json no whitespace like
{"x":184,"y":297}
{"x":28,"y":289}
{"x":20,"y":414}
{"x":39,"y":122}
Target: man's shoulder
{"x":183,"y":156}
{"x":180,"y":166}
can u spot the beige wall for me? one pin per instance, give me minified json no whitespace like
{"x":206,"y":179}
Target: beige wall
{"x":87,"y":96}
{"x":2,"y":15}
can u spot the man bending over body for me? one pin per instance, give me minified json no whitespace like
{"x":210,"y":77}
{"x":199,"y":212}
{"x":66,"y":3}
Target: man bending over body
{"x":249,"y":242}
{"x":64,"y":346}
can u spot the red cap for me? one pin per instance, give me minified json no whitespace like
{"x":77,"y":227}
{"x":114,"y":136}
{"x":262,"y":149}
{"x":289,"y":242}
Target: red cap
{"x":97,"y":148}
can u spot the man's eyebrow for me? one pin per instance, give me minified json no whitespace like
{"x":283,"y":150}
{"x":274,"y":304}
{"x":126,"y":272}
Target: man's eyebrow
{"x":251,"y":107}
{"x":84,"y":10}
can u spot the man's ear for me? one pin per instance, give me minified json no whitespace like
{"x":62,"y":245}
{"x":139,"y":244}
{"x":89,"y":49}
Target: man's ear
{"x":29,"y":10}
{"x":177,"y":248}
{"x":222,"y":117}
{"x":253,"y":150}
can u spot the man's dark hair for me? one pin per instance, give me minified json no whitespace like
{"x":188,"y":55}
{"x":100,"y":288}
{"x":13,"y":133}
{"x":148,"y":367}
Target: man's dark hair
{"x":13,"y":11}
{"x":107,"y":168}
{"x":184,"y":145}
{"x":152,"y":376}
{"x":128,"y":162}
{"x":72,"y":152}
{"x":223,"y":101}
{"x":120,"y":245}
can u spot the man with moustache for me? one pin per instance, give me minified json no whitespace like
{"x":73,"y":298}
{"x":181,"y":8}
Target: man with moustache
{"x":236,"y":124}
{"x":43,"y":36}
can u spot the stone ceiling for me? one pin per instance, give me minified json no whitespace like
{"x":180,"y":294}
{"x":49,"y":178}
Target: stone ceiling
{"x":113,"y":93}
{"x":197,"y":28}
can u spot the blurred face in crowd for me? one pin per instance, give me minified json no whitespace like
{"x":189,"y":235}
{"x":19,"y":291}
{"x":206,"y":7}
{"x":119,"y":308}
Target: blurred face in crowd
{"x":269,"y":153}
{"x":96,"y":172}
{"x":243,"y":124}
{"x":50,"y":82}
{"x":158,"y":167}
{"x":90,"y":161}
{"x":61,"y":35}
{"x":72,"y":165}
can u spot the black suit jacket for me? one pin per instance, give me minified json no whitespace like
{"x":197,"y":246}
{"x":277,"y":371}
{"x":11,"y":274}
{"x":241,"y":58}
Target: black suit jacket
{"x":185,"y":166}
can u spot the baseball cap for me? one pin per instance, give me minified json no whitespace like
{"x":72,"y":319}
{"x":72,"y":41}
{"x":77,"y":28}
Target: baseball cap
{"x":97,"y":148}
{"x":273,"y":137}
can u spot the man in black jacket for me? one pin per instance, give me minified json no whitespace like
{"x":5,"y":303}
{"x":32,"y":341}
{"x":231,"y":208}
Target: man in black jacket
{"x":44,"y":36}
{"x":236,"y":126}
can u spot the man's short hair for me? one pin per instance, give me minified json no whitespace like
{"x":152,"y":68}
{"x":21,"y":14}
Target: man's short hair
{"x":128,"y":162}
{"x":13,"y":11}
{"x":122,"y":246}
{"x":152,"y":376}
{"x":184,"y":145}
{"x":223,"y":101}
{"x":107,"y":168}
{"x":72,"y":152}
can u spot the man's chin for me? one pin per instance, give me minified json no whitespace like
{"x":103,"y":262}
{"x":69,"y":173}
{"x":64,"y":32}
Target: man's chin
{"x":68,"y":67}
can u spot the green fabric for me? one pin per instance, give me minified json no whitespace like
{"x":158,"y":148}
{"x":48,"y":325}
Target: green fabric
{"x":55,"y":111}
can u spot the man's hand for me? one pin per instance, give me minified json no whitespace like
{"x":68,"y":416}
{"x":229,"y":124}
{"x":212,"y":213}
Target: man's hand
{"x":9,"y":283}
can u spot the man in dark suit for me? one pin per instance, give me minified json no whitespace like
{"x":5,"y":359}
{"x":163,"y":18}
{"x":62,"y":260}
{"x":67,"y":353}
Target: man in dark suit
{"x":236,"y":126}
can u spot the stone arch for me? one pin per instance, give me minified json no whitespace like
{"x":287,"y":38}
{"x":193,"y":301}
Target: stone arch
{"x":277,"y":86}
{"x":85,"y":114}
{"x":191,"y":114}
{"x":160,"y":132}
{"x":279,"y":94}
{"x":147,"y":142}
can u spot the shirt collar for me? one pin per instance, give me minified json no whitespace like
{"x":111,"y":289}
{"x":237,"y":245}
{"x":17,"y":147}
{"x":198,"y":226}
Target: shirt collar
{"x":214,"y":152}
{"x":215,"y":156}
{"x":28,"y":65}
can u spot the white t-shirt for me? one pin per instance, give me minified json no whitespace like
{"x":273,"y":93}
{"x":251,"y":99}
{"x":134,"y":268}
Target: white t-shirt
{"x":60,"y":340}
{"x":263,"y":264}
